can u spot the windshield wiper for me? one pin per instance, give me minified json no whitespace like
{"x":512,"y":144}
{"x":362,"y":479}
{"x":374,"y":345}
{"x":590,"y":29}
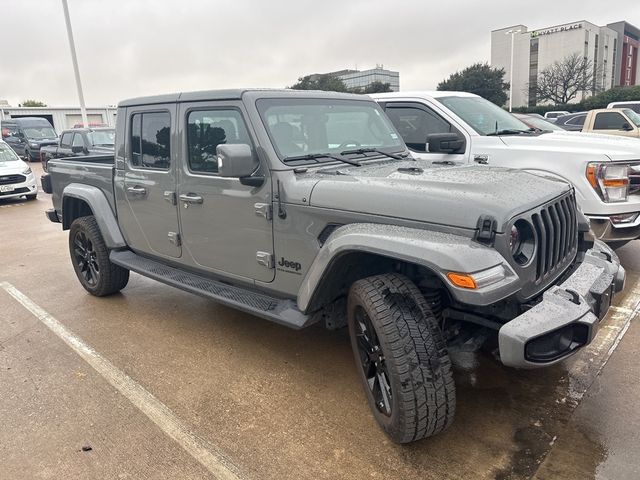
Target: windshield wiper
{"x":316,"y":156}
{"x":510,"y":131}
{"x":362,"y":151}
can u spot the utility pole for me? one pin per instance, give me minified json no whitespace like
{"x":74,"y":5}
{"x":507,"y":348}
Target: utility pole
{"x":512,"y":33}
{"x":74,"y":60}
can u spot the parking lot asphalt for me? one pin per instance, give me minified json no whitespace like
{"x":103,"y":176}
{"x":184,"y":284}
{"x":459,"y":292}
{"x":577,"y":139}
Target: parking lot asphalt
{"x":259,"y":401}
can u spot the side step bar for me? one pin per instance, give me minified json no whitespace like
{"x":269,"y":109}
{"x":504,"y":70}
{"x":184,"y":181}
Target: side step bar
{"x":282,"y":311}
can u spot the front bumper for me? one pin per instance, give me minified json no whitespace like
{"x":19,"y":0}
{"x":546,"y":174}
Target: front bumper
{"x":567,"y":318}
{"x":605,"y":229}
{"x":28,"y":187}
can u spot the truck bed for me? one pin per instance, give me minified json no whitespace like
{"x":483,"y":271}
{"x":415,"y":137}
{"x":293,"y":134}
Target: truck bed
{"x":94,"y":170}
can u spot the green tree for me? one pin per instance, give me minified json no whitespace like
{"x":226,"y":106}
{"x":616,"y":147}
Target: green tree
{"x":615,"y":94}
{"x":33,"y":103}
{"x":320,"y":82}
{"x":481,"y":79}
{"x":377,"y":87}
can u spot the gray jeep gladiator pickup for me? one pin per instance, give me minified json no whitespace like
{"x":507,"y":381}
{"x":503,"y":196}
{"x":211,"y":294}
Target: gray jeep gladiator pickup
{"x":304,"y":207}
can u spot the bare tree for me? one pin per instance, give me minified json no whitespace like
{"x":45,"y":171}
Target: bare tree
{"x":565,"y":79}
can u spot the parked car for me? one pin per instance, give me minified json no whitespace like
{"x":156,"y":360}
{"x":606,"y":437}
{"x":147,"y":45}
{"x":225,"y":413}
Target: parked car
{"x":16,"y":177}
{"x":631,"y":105}
{"x":345,"y":228}
{"x":572,"y":122}
{"x":622,"y":122}
{"x":537,"y":122}
{"x":26,"y":136}
{"x":555,"y":114}
{"x":80,"y":142}
{"x":463,"y":128}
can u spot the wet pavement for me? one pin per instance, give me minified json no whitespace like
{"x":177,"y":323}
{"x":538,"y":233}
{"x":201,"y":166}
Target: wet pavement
{"x":277,"y":403}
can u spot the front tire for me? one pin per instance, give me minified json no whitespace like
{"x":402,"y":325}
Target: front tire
{"x":401,"y":357}
{"x":90,"y":259}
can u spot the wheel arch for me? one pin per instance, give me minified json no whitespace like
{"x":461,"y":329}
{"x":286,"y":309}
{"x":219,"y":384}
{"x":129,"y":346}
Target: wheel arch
{"x":356,"y":251}
{"x":83,"y":200}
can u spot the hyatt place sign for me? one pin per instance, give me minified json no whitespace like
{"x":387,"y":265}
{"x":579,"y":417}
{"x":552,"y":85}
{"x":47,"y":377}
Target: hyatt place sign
{"x":563,"y":28}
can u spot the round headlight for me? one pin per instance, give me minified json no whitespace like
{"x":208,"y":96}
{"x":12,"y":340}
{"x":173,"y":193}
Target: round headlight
{"x":522,"y":242}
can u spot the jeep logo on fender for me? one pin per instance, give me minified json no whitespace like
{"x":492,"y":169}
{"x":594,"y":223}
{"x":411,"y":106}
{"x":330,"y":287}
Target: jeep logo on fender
{"x":289,"y":265}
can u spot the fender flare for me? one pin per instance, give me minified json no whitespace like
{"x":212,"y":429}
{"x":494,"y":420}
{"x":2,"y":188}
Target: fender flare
{"x":437,"y":251}
{"x":102,"y":211}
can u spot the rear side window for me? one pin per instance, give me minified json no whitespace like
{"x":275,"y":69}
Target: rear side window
{"x":150,"y":140}
{"x":78,"y":141}
{"x":206,"y":129}
{"x":414,"y":124}
{"x":65,"y":141}
{"x":578,"y":121}
{"x":609,"y":121}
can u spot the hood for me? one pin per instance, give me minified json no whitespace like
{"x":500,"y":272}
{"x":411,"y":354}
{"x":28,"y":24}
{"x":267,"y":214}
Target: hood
{"x":11,"y":168}
{"x":616,"y":148}
{"x":44,"y":141}
{"x":448,"y":195}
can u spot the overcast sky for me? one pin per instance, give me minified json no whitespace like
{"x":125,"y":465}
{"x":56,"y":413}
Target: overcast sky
{"x":130,"y":48}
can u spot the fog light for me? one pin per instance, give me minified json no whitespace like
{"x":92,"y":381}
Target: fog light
{"x":557,"y":344}
{"x":623,"y":219}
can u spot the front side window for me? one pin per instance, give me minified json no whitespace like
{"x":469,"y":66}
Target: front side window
{"x":609,"y":121}
{"x":414,"y":124}
{"x":326,"y":126}
{"x":150,"y":140}
{"x":77,"y":140}
{"x":65,"y":141}
{"x":485,"y":118}
{"x":577,"y":120}
{"x":206,"y":129}
{"x":9,"y":131}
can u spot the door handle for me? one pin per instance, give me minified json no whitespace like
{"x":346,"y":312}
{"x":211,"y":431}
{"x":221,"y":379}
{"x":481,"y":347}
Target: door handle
{"x":191,"y":198}
{"x":137,"y":190}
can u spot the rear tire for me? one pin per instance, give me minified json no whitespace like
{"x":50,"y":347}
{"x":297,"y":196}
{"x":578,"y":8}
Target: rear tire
{"x":90,"y":259}
{"x":401,"y":357}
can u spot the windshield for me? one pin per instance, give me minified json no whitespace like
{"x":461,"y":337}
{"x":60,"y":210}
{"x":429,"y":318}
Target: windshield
{"x":316,"y":126}
{"x":102,"y":138}
{"x":483,"y":116}
{"x":7,"y":154}
{"x":39,"y":132}
{"x":540,"y":123}
{"x":633,"y":116}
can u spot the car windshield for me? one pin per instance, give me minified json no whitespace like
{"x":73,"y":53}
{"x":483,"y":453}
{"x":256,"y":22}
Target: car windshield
{"x":102,"y":138}
{"x":485,"y":117}
{"x":7,"y":154}
{"x":540,"y":123}
{"x":633,"y":116}
{"x":310,"y":127}
{"x":39,"y":132}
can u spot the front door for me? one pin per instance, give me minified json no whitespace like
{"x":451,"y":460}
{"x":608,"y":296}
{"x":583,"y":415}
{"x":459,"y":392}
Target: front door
{"x":150,"y":218}
{"x":226,"y":226}
{"x":614,"y":123}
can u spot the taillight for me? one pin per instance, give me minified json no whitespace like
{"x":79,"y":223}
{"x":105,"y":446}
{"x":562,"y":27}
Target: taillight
{"x":611,"y":181}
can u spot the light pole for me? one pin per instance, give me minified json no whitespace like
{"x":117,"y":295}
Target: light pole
{"x":512,"y":33}
{"x":74,"y":60}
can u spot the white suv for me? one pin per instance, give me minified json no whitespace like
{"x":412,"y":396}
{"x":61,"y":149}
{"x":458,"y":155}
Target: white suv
{"x":16,"y":177}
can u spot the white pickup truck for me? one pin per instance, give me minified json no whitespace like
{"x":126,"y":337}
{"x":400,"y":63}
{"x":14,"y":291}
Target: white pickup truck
{"x":458,"y":127}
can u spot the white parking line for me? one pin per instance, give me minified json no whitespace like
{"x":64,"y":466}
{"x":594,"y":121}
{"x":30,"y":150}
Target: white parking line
{"x":154,"y":409}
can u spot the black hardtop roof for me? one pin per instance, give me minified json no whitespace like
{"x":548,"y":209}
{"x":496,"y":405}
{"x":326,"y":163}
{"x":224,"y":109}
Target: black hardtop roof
{"x":26,"y":121}
{"x":236,"y":94}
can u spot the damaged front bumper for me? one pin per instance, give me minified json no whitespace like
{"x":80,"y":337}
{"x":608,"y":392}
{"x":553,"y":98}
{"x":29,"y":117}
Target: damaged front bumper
{"x":567,"y":317}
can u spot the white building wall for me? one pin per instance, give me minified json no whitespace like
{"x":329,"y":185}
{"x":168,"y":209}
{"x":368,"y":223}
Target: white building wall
{"x":501,"y":58}
{"x":65,"y":117}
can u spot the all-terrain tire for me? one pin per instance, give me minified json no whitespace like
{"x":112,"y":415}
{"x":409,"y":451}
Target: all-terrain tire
{"x":415,"y":361}
{"x":90,"y":259}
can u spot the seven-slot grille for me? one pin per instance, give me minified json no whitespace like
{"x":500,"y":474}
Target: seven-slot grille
{"x":11,"y":179}
{"x":556,"y":227}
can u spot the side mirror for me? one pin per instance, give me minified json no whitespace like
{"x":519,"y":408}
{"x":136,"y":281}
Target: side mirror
{"x":237,"y":161}
{"x":77,"y":149}
{"x":445,"y":143}
{"x":626,"y":127}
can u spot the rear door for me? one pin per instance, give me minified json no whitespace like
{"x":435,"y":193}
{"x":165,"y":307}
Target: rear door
{"x":226,"y":226}
{"x":64,"y":148}
{"x":149,"y":217}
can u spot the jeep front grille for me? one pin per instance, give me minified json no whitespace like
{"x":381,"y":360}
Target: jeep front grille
{"x":556,"y":227}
